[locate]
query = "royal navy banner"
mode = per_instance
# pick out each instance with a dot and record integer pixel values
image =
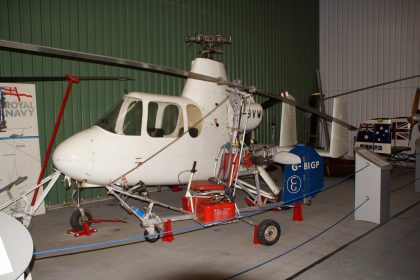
(19, 141)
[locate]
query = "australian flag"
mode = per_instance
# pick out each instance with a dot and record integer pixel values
(374, 133)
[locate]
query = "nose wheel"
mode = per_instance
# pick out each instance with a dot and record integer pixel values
(77, 219)
(268, 232)
(153, 235)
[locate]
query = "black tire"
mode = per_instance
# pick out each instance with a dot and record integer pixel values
(268, 232)
(154, 238)
(76, 219)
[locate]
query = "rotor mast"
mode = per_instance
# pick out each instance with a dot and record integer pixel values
(210, 44)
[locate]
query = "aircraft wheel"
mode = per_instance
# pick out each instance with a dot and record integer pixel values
(154, 238)
(268, 232)
(76, 219)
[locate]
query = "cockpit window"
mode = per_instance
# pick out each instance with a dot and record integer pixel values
(195, 123)
(164, 120)
(125, 118)
(170, 119)
(109, 120)
(132, 120)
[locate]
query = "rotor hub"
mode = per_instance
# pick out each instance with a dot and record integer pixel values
(210, 44)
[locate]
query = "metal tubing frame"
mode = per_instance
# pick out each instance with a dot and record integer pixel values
(150, 219)
(39, 200)
(53, 178)
(117, 189)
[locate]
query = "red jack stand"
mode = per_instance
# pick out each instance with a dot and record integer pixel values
(256, 241)
(168, 236)
(297, 212)
(86, 230)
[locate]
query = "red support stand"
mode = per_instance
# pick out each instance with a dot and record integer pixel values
(86, 230)
(71, 80)
(297, 212)
(256, 241)
(168, 236)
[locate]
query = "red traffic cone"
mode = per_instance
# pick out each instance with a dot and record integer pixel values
(256, 241)
(297, 212)
(168, 236)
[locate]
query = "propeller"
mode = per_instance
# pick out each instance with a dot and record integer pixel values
(101, 59)
(286, 158)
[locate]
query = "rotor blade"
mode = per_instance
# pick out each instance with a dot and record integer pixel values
(101, 59)
(269, 103)
(24, 79)
(75, 55)
(303, 107)
(373, 86)
(55, 52)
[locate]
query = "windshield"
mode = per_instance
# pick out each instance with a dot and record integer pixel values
(109, 120)
(125, 118)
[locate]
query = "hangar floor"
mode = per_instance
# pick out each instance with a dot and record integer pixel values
(349, 250)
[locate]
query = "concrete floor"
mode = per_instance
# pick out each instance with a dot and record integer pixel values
(350, 250)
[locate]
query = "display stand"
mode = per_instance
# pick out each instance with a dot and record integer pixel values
(372, 182)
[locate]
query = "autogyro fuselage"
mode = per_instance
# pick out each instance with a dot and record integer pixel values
(166, 134)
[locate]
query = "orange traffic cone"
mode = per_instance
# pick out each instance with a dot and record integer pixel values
(256, 241)
(168, 236)
(297, 212)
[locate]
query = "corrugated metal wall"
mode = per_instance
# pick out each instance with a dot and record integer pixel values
(275, 47)
(369, 42)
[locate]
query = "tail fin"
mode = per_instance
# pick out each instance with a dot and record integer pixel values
(339, 134)
(288, 135)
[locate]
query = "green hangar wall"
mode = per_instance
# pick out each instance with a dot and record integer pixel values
(274, 47)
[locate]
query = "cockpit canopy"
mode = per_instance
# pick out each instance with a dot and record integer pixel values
(156, 118)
